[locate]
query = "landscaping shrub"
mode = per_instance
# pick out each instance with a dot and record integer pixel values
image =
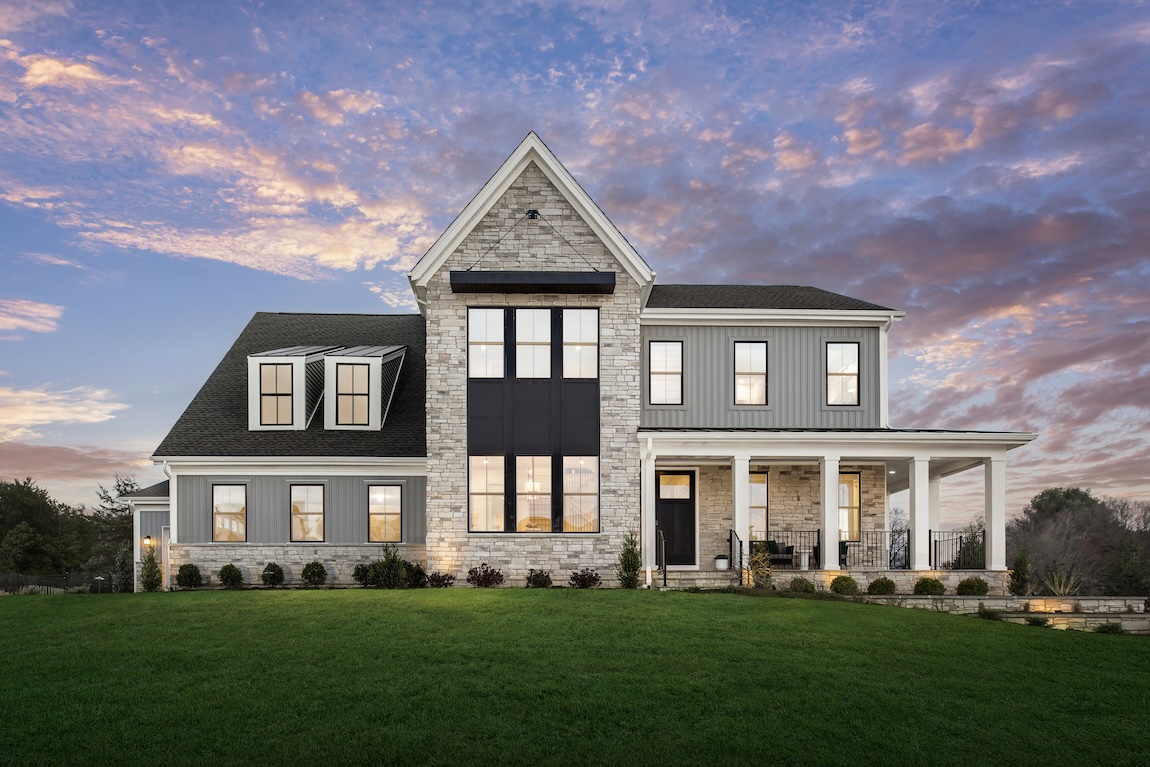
(584, 579)
(231, 577)
(123, 571)
(188, 576)
(1036, 621)
(77, 590)
(988, 614)
(390, 572)
(538, 579)
(757, 573)
(845, 585)
(484, 577)
(440, 580)
(314, 573)
(801, 586)
(881, 586)
(1109, 628)
(151, 579)
(931, 587)
(630, 563)
(972, 587)
(273, 575)
(1021, 574)
(359, 573)
(416, 575)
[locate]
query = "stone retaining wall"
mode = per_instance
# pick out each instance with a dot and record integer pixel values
(904, 580)
(251, 558)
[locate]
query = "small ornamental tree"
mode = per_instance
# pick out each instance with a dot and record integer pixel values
(151, 579)
(630, 563)
(123, 573)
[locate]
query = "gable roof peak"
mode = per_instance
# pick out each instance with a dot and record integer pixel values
(531, 149)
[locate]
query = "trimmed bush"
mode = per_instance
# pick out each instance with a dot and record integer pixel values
(230, 576)
(484, 577)
(584, 579)
(1109, 628)
(273, 575)
(390, 572)
(988, 614)
(314, 574)
(630, 563)
(845, 585)
(188, 576)
(801, 586)
(972, 587)
(930, 587)
(881, 586)
(440, 580)
(359, 573)
(538, 579)
(151, 579)
(416, 575)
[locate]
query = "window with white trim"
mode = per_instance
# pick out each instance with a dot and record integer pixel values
(229, 513)
(758, 506)
(666, 372)
(842, 373)
(306, 513)
(750, 373)
(850, 507)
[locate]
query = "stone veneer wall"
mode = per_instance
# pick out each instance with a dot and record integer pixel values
(716, 513)
(251, 558)
(531, 246)
(793, 496)
(904, 580)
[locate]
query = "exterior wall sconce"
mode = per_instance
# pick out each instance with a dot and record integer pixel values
(147, 540)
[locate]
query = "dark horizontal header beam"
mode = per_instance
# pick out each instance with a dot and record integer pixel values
(533, 282)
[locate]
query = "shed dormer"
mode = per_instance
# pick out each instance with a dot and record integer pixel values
(285, 387)
(359, 384)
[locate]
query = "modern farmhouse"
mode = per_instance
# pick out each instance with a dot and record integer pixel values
(550, 398)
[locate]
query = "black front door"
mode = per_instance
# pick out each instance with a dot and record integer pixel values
(675, 515)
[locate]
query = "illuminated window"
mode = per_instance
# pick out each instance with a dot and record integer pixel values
(306, 513)
(850, 507)
(275, 395)
(674, 486)
(666, 360)
(532, 343)
(485, 343)
(842, 373)
(750, 373)
(351, 394)
(384, 513)
(580, 343)
(229, 513)
(580, 494)
(533, 493)
(758, 506)
(485, 493)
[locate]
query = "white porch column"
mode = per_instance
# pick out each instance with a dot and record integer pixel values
(935, 502)
(741, 493)
(829, 501)
(647, 511)
(995, 481)
(920, 513)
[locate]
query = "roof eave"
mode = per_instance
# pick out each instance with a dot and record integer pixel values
(706, 316)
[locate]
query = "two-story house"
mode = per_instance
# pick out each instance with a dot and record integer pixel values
(549, 399)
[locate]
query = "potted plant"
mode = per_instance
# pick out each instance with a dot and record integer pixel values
(722, 562)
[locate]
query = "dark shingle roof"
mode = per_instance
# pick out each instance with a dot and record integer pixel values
(158, 490)
(753, 297)
(216, 422)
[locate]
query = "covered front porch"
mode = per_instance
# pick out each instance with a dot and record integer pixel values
(818, 502)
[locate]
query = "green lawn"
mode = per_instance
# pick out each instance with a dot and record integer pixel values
(461, 676)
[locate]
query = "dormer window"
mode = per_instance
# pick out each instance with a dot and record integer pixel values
(285, 387)
(359, 382)
(352, 394)
(275, 395)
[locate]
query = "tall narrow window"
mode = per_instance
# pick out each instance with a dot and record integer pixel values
(843, 373)
(485, 493)
(758, 506)
(306, 513)
(580, 494)
(850, 507)
(351, 394)
(533, 493)
(532, 343)
(666, 360)
(229, 513)
(580, 343)
(751, 373)
(384, 513)
(275, 395)
(485, 343)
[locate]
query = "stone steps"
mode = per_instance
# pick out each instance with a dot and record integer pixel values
(678, 580)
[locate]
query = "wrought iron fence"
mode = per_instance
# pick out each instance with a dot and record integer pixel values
(54, 584)
(736, 553)
(877, 550)
(957, 550)
(788, 548)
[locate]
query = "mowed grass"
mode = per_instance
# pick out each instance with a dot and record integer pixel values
(462, 676)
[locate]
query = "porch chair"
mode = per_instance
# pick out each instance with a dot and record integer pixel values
(780, 555)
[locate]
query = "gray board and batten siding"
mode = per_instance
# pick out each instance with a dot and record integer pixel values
(269, 507)
(796, 379)
(152, 523)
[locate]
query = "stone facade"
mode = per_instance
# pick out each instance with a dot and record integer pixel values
(251, 558)
(531, 245)
(793, 493)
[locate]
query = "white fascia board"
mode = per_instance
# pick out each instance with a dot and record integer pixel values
(853, 445)
(350, 465)
(531, 149)
(769, 317)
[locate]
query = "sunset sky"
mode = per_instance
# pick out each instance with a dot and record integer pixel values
(167, 169)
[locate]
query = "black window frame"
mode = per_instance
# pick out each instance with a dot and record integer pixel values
(277, 395)
(340, 395)
(323, 488)
(229, 484)
(398, 486)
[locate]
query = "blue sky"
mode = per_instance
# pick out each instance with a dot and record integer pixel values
(167, 169)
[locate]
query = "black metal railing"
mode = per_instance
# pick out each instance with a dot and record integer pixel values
(877, 550)
(788, 547)
(55, 584)
(957, 550)
(661, 556)
(736, 546)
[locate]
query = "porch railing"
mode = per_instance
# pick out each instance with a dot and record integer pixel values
(789, 548)
(736, 553)
(957, 550)
(878, 550)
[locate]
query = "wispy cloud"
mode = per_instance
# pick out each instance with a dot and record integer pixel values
(18, 314)
(22, 410)
(58, 462)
